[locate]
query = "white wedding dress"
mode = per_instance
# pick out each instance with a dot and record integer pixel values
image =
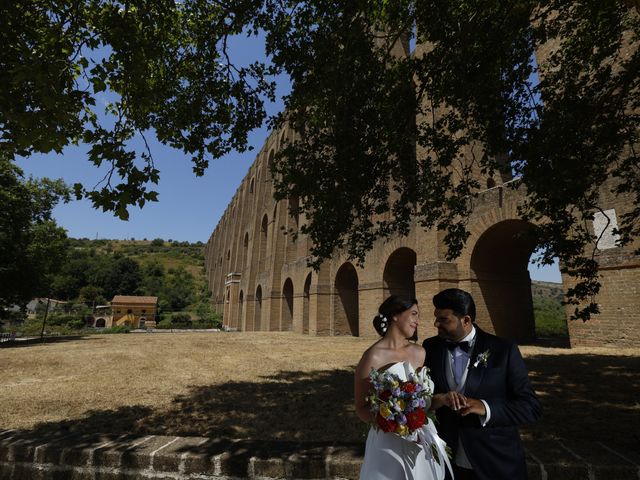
(389, 457)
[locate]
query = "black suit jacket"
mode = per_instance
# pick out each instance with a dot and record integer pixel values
(494, 451)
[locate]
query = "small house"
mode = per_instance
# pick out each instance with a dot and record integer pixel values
(134, 311)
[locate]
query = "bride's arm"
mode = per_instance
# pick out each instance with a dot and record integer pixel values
(361, 387)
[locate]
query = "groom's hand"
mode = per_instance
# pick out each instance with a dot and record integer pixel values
(473, 406)
(454, 400)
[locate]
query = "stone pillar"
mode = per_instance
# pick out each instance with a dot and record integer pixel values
(431, 278)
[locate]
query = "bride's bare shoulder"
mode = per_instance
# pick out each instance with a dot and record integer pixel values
(374, 357)
(417, 354)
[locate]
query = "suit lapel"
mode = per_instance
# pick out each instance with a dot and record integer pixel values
(475, 374)
(440, 366)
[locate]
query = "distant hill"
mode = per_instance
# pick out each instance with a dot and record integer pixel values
(548, 309)
(171, 254)
(550, 290)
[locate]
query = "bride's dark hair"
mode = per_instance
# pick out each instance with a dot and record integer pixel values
(393, 305)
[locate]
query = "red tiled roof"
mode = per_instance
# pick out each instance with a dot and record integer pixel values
(134, 299)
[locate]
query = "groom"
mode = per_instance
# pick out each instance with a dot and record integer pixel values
(482, 392)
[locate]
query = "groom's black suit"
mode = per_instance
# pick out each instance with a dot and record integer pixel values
(494, 451)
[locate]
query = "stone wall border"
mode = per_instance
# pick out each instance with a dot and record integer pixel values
(27, 456)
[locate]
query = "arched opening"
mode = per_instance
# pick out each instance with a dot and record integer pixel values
(345, 305)
(251, 185)
(240, 308)
(287, 306)
(502, 286)
(398, 276)
(245, 248)
(257, 317)
(305, 304)
(263, 237)
(100, 323)
(294, 211)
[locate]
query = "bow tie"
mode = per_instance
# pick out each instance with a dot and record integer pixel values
(464, 346)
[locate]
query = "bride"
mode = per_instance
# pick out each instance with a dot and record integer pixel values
(387, 455)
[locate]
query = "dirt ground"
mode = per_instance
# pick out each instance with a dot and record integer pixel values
(274, 386)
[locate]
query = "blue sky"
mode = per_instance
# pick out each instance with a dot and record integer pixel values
(188, 207)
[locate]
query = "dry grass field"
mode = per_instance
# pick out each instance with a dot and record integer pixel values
(273, 386)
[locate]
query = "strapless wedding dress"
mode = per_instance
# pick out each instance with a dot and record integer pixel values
(389, 457)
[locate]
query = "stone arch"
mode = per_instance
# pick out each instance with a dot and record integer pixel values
(345, 305)
(286, 323)
(264, 229)
(252, 185)
(305, 304)
(100, 323)
(501, 285)
(398, 275)
(257, 316)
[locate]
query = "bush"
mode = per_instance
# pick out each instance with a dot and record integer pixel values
(165, 324)
(116, 329)
(181, 320)
(32, 328)
(62, 323)
(215, 323)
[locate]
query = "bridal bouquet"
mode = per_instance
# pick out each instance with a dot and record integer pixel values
(399, 406)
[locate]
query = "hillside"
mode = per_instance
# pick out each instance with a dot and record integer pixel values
(170, 254)
(550, 290)
(548, 309)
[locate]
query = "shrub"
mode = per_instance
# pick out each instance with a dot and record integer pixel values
(165, 323)
(116, 329)
(181, 320)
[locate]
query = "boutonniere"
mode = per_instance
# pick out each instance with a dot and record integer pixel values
(481, 359)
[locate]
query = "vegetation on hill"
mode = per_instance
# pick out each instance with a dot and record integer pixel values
(94, 271)
(548, 310)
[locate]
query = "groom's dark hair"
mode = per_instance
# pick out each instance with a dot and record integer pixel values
(459, 301)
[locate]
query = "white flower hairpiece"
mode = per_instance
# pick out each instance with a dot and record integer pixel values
(383, 323)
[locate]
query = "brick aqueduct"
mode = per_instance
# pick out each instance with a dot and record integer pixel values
(260, 281)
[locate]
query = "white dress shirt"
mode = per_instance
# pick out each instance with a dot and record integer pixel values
(462, 358)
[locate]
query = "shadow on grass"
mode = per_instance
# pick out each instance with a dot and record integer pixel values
(588, 398)
(285, 409)
(585, 398)
(29, 342)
